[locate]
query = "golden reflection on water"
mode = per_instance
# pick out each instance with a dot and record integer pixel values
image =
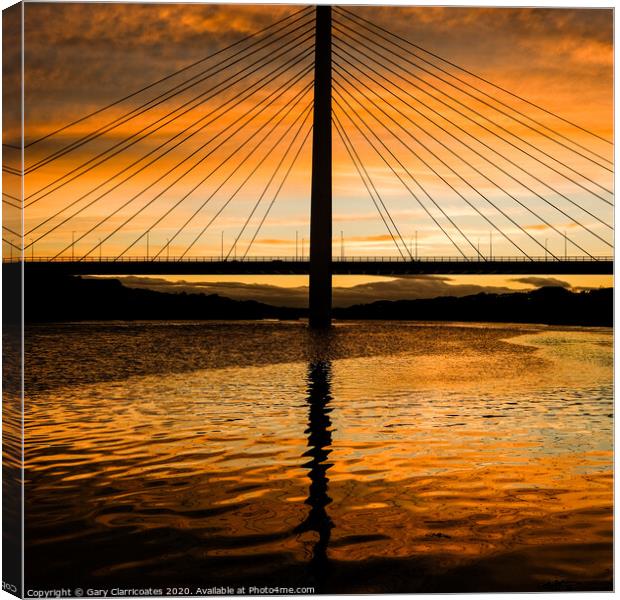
(406, 457)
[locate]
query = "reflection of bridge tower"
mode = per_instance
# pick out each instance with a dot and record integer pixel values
(321, 195)
(319, 449)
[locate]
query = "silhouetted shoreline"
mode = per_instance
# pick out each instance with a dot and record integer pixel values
(77, 299)
(548, 305)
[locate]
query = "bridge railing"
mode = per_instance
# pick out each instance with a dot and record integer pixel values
(305, 259)
(475, 259)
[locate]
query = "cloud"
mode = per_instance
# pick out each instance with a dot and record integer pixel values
(274, 241)
(539, 282)
(544, 227)
(587, 288)
(100, 51)
(81, 56)
(411, 288)
(270, 294)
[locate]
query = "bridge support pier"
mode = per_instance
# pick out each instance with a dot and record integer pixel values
(321, 195)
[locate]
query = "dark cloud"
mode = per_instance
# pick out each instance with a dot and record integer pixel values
(410, 288)
(231, 289)
(82, 54)
(397, 289)
(542, 282)
(11, 81)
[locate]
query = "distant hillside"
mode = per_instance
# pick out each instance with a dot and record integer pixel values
(77, 299)
(552, 305)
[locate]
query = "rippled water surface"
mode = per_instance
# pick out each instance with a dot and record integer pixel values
(377, 457)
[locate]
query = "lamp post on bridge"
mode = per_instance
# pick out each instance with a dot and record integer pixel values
(321, 194)
(565, 246)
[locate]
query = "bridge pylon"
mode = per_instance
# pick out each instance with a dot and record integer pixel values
(320, 299)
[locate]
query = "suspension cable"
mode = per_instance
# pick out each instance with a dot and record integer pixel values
(206, 96)
(273, 176)
(273, 95)
(12, 244)
(239, 165)
(9, 203)
(538, 149)
(186, 68)
(275, 196)
(350, 14)
(12, 231)
(429, 166)
(264, 83)
(430, 108)
(351, 109)
(346, 141)
(179, 89)
(459, 156)
(482, 174)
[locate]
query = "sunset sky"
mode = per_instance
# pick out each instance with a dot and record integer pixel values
(82, 56)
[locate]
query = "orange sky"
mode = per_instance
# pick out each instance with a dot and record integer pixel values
(81, 56)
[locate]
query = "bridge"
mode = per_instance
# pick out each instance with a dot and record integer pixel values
(286, 265)
(471, 157)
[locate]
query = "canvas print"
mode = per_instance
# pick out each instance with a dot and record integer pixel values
(306, 299)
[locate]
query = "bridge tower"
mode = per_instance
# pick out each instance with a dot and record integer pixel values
(321, 194)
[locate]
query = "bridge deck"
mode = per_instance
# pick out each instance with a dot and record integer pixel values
(602, 265)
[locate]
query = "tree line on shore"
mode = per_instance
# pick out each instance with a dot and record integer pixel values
(80, 299)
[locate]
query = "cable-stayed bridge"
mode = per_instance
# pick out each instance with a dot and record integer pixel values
(153, 173)
(356, 265)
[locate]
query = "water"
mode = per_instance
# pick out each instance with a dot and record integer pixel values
(378, 457)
